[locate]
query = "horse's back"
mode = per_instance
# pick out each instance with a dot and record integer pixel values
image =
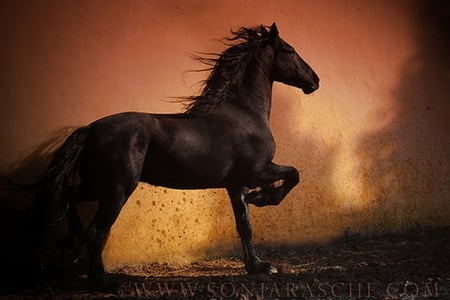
(172, 150)
(176, 150)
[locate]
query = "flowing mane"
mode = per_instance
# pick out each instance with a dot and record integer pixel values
(225, 68)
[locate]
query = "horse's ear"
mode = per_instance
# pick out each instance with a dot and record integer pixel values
(274, 30)
(273, 35)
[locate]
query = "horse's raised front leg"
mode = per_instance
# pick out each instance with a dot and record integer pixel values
(270, 190)
(253, 264)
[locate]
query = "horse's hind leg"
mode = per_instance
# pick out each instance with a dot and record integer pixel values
(74, 242)
(253, 264)
(97, 233)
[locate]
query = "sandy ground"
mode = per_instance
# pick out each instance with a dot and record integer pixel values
(413, 265)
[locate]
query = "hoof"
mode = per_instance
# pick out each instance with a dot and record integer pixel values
(261, 267)
(104, 285)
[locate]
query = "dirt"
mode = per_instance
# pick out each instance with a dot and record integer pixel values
(414, 265)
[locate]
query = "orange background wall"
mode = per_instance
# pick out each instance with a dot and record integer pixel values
(372, 143)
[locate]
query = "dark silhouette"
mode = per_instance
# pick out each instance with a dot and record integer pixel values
(223, 140)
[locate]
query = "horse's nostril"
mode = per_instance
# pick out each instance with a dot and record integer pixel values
(309, 89)
(316, 80)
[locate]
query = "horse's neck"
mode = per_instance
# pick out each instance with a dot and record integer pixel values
(260, 98)
(255, 90)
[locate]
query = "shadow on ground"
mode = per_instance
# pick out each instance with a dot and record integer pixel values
(411, 265)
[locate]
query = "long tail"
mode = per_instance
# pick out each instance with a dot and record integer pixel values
(62, 171)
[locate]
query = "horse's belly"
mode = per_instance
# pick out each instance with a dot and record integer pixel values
(182, 181)
(195, 173)
(201, 154)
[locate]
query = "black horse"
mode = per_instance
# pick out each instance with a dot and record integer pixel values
(223, 140)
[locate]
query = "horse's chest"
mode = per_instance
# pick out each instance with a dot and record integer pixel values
(255, 148)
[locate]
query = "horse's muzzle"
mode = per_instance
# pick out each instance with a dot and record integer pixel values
(310, 88)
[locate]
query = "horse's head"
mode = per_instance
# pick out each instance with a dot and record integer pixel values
(288, 67)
